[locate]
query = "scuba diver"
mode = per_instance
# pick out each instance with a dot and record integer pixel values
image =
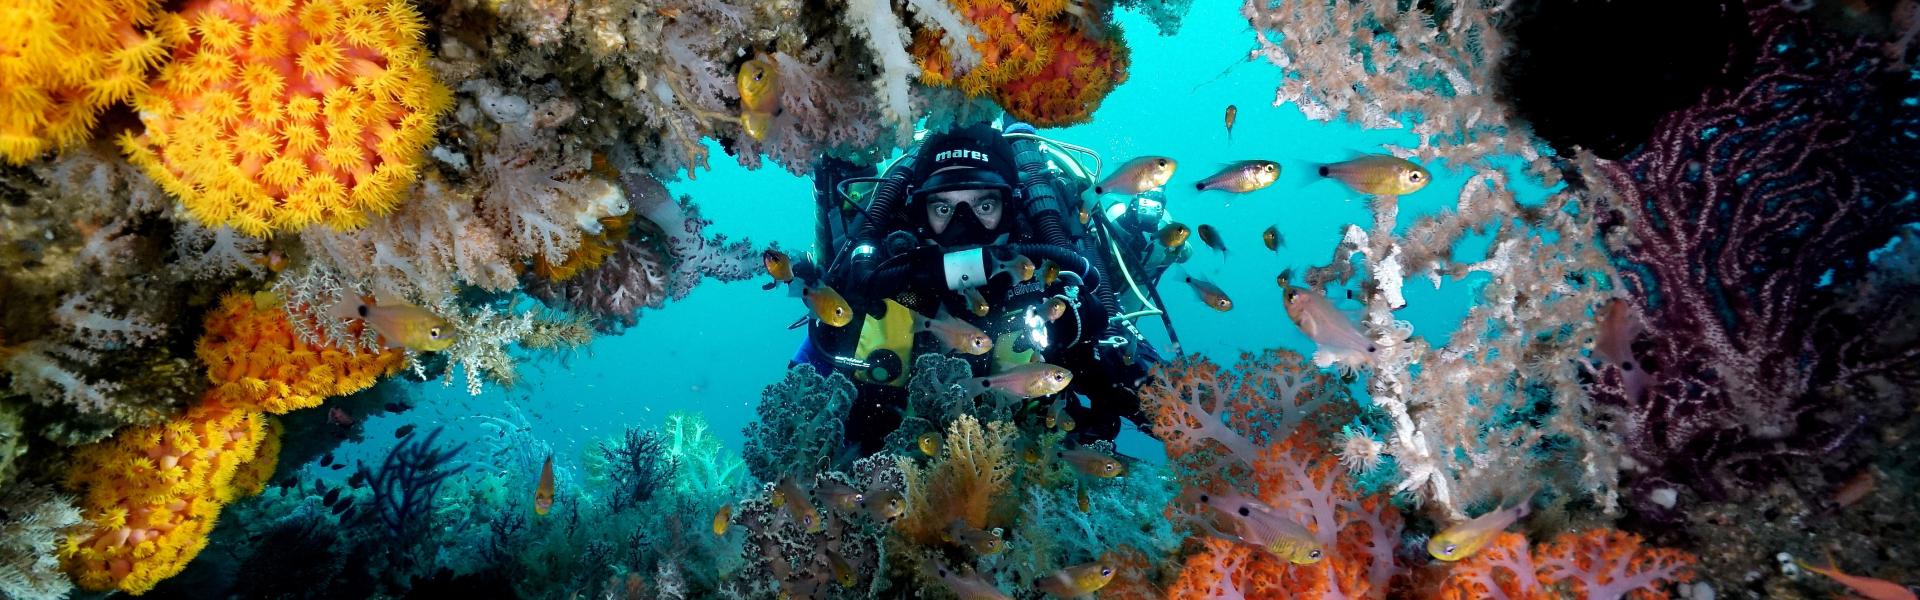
(980, 237)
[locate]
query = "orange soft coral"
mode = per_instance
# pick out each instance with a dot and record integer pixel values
(278, 114)
(964, 483)
(1213, 417)
(256, 361)
(62, 62)
(1600, 564)
(1034, 61)
(152, 494)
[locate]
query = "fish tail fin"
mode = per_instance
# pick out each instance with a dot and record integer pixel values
(1325, 170)
(770, 285)
(974, 386)
(1200, 186)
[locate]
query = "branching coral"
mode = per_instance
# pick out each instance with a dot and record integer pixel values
(638, 465)
(33, 521)
(1033, 58)
(64, 63)
(1211, 418)
(1600, 564)
(1737, 225)
(406, 485)
(277, 115)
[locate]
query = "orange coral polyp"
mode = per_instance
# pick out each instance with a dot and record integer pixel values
(263, 120)
(256, 361)
(1036, 65)
(63, 62)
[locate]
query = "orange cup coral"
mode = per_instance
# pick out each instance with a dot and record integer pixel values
(152, 493)
(257, 362)
(1036, 60)
(278, 114)
(63, 61)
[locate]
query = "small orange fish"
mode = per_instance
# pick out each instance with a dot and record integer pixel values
(1049, 272)
(1078, 581)
(957, 335)
(722, 519)
(839, 496)
(1232, 113)
(1084, 503)
(1137, 175)
(1613, 343)
(966, 586)
(759, 87)
(405, 325)
(929, 443)
(1092, 463)
(976, 303)
(1173, 235)
(1335, 338)
(1020, 267)
(980, 541)
(1272, 238)
(827, 305)
(1211, 237)
(1030, 380)
(1241, 177)
(1379, 175)
(1867, 587)
(1210, 294)
(1855, 489)
(842, 571)
(1466, 538)
(779, 265)
(789, 494)
(885, 505)
(543, 496)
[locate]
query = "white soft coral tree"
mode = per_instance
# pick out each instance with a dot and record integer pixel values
(1499, 405)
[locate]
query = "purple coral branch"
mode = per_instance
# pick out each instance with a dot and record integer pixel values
(1739, 213)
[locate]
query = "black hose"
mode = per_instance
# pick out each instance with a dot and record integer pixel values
(886, 199)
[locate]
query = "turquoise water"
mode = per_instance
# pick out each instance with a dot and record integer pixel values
(713, 352)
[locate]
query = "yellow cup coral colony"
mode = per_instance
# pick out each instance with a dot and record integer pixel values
(62, 61)
(256, 360)
(1037, 60)
(278, 114)
(152, 493)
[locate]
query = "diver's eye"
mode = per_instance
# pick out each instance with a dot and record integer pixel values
(988, 207)
(944, 210)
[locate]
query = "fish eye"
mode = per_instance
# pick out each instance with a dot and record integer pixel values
(1413, 176)
(434, 333)
(1449, 549)
(1109, 466)
(1106, 572)
(1162, 162)
(1314, 554)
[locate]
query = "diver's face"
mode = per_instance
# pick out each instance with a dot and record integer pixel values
(985, 205)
